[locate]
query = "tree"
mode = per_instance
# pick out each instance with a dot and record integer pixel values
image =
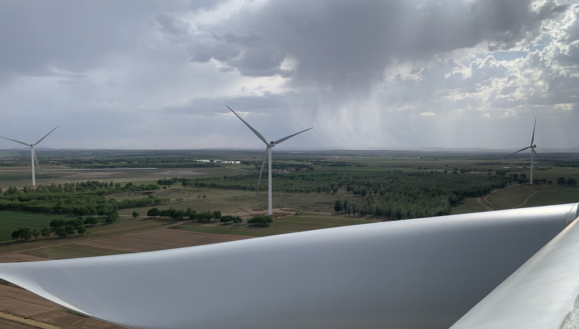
(45, 232)
(60, 232)
(56, 223)
(338, 206)
(217, 214)
(153, 212)
(135, 214)
(90, 221)
(561, 180)
(226, 219)
(35, 233)
(16, 235)
(69, 230)
(571, 181)
(111, 216)
(237, 220)
(81, 230)
(260, 221)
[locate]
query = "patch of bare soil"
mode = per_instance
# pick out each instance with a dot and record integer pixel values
(181, 173)
(18, 258)
(14, 324)
(23, 307)
(159, 240)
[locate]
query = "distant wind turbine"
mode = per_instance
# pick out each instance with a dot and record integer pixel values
(532, 147)
(32, 153)
(268, 155)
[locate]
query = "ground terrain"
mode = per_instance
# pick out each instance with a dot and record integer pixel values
(294, 212)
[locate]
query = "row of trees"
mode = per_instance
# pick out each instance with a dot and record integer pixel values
(81, 199)
(207, 216)
(64, 228)
(260, 221)
(567, 181)
(204, 216)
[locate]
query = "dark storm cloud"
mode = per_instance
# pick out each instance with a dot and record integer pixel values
(347, 42)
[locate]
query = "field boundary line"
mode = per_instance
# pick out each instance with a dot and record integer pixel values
(95, 239)
(527, 199)
(30, 322)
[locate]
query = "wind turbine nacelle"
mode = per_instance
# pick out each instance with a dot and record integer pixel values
(271, 144)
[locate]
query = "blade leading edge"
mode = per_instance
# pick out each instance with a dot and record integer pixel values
(40, 140)
(36, 159)
(250, 127)
(261, 171)
(290, 136)
(535, 153)
(520, 150)
(533, 138)
(15, 141)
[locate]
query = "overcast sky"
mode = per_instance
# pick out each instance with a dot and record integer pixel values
(364, 74)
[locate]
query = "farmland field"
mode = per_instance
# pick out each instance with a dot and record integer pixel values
(12, 220)
(376, 186)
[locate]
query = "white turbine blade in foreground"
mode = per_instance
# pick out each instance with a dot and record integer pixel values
(36, 160)
(519, 150)
(290, 136)
(16, 141)
(40, 140)
(420, 273)
(543, 293)
(535, 153)
(250, 127)
(261, 171)
(534, 126)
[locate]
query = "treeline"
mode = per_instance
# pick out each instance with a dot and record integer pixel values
(567, 181)
(207, 216)
(63, 228)
(87, 198)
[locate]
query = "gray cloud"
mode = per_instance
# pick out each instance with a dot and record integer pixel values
(364, 74)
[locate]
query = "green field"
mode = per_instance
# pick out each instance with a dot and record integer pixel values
(13, 220)
(542, 195)
(296, 223)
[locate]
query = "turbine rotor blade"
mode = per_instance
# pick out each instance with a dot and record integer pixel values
(261, 171)
(533, 138)
(528, 147)
(250, 127)
(290, 136)
(40, 140)
(535, 153)
(16, 141)
(36, 160)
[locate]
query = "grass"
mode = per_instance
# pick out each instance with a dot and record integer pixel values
(469, 205)
(13, 220)
(71, 251)
(511, 197)
(547, 194)
(296, 223)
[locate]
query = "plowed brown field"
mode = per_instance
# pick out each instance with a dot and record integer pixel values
(159, 240)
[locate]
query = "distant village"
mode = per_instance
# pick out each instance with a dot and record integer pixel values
(276, 171)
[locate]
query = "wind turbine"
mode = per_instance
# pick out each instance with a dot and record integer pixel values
(532, 147)
(32, 153)
(268, 155)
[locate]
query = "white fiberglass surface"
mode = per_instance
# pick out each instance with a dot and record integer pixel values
(421, 273)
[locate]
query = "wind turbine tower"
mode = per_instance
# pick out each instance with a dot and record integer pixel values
(532, 147)
(32, 153)
(268, 156)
